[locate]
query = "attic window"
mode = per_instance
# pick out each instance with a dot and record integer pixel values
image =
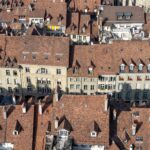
(131, 67)
(33, 56)
(140, 67)
(45, 56)
(148, 67)
(15, 132)
(90, 70)
(122, 67)
(139, 139)
(93, 134)
(119, 15)
(127, 15)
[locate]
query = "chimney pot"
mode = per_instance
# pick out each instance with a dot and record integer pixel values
(56, 123)
(134, 129)
(106, 104)
(40, 108)
(4, 112)
(24, 108)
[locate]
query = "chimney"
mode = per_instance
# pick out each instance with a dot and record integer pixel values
(4, 112)
(56, 123)
(134, 129)
(14, 99)
(114, 114)
(106, 104)
(40, 108)
(55, 96)
(24, 110)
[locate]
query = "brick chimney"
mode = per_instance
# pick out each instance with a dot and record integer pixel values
(114, 114)
(56, 123)
(134, 127)
(106, 104)
(14, 99)
(24, 109)
(4, 112)
(40, 108)
(55, 95)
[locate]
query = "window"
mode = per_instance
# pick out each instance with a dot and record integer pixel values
(27, 69)
(10, 90)
(74, 36)
(42, 71)
(15, 73)
(85, 87)
(8, 81)
(93, 134)
(1, 90)
(33, 56)
(140, 67)
(90, 70)
(48, 81)
(101, 86)
(120, 86)
(29, 88)
(122, 67)
(59, 82)
(92, 87)
(78, 79)
(131, 67)
(58, 71)
(15, 81)
(28, 80)
(145, 95)
(78, 86)
(46, 57)
(7, 72)
(71, 86)
(101, 78)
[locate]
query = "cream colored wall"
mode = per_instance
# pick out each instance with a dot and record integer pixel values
(3, 79)
(107, 82)
(52, 76)
(82, 81)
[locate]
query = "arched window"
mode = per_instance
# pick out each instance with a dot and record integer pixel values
(131, 67)
(42, 71)
(122, 67)
(140, 67)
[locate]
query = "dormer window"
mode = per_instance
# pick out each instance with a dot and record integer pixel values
(119, 15)
(15, 132)
(93, 134)
(148, 67)
(131, 67)
(140, 67)
(90, 70)
(75, 70)
(122, 67)
(63, 133)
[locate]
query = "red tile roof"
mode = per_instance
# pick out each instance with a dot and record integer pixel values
(82, 4)
(108, 58)
(125, 120)
(80, 112)
(24, 48)
(24, 140)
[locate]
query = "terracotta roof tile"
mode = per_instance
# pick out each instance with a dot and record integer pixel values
(32, 50)
(14, 116)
